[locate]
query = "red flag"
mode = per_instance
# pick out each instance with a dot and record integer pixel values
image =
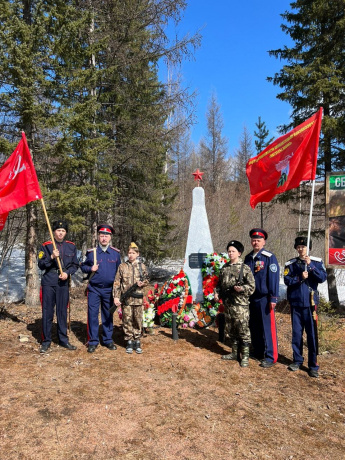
(286, 162)
(18, 181)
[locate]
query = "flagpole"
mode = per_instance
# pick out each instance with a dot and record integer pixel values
(310, 215)
(51, 233)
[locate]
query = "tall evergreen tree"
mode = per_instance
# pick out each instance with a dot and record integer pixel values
(28, 38)
(262, 133)
(314, 76)
(261, 142)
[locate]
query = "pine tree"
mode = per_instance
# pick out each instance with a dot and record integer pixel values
(314, 76)
(28, 70)
(261, 142)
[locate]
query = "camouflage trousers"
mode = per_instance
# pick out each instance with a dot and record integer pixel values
(237, 322)
(132, 321)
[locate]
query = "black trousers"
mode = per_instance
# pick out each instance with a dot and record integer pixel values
(54, 296)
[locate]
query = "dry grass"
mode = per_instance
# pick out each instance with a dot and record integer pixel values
(178, 400)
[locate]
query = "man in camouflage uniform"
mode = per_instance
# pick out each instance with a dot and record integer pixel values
(236, 284)
(129, 273)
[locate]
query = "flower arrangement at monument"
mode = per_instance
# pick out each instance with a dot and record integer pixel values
(175, 297)
(149, 311)
(210, 272)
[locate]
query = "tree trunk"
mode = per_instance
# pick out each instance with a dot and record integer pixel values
(332, 291)
(31, 272)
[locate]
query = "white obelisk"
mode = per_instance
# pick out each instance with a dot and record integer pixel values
(199, 242)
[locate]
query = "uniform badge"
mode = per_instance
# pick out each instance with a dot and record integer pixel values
(259, 265)
(286, 271)
(273, 268)
(40, 254)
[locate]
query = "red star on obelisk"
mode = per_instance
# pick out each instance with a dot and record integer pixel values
(198, 176)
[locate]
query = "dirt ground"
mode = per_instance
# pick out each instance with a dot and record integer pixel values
(178, 400)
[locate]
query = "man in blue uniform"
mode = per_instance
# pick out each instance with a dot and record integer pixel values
(101, 265)
(302, 276)
(55, 289)
(262, 323)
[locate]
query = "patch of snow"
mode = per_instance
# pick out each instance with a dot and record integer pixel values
(12, 277)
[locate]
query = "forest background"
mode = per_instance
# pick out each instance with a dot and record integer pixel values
(111, 141)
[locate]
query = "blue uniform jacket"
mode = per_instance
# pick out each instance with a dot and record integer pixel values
(298, 290)
(108, 261)
(265, 269)
(69, 262)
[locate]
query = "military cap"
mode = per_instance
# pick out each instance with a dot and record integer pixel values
(302, 241)
(134, 247)
(236, 244)
(105, 229)
(60, 224)
(258, 233)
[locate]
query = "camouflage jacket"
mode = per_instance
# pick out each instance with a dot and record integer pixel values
(127, 274)
(228, 278)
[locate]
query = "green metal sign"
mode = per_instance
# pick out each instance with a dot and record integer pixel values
(337, 182)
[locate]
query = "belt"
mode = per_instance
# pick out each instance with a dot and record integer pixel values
(100, 285)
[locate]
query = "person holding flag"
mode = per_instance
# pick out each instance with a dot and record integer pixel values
(55, 288)
(18, 186)
(262, 323)
(302, 275)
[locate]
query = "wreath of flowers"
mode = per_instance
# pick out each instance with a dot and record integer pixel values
(210, 271)
(175, 297)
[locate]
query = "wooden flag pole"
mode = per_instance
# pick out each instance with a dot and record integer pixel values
(51, 233)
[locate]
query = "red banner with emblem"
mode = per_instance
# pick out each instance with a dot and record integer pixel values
(285, 163)
(18, 181)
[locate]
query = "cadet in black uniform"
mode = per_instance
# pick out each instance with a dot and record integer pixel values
(55, 289)
(302, 275)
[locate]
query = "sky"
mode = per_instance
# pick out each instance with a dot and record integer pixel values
(233, 62)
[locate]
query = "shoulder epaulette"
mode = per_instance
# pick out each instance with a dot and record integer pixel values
(317, 259)
(47, 242)
(70, 242)
(291, 261)
(266, 253)
(112, 247)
